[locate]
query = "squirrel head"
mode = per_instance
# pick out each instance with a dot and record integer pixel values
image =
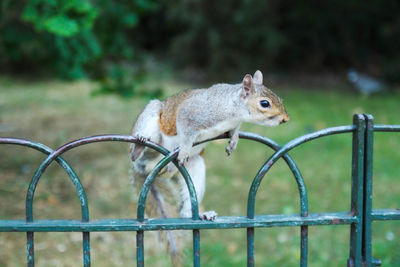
(265, 107)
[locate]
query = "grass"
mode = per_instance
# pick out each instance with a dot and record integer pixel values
(55, 112)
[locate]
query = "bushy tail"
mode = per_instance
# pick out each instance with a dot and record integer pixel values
(162, 202)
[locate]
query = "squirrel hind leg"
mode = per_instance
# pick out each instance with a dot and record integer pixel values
(146, 128)
(197, 171)
(186, 142)
(146, 124)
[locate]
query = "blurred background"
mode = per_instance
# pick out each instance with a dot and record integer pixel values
(70, 69)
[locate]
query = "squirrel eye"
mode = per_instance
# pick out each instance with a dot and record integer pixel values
(265, 103)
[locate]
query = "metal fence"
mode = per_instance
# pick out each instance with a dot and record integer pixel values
(359, 216)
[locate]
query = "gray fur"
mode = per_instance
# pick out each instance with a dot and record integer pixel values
(200, 114)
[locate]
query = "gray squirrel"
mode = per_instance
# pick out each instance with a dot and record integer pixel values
(192, 116)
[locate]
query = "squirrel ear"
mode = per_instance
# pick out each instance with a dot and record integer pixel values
(248, 87)
(258, 77)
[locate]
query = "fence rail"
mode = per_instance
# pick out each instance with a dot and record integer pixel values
(359, 216)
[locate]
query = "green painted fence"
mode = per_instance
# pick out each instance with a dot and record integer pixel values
(359, 216)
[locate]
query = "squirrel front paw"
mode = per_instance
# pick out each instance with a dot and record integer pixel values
(230, 147)
(142, 138)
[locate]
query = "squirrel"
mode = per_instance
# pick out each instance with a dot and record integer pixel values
(192, 116)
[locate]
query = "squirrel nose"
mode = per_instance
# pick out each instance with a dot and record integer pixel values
(285, 119)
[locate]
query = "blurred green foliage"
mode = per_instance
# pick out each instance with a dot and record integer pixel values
(60, 18)
(235, 36)
(77, 38)
(72, 39)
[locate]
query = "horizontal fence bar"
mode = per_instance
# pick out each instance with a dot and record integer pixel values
(385, 214)
(386, 128)
(225, 222)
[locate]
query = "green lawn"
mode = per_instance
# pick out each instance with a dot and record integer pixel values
(55, 112)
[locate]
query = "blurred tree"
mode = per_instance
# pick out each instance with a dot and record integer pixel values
(226, 36)
(237, 35)
(74, 38)
(48, 35)
(71, 37)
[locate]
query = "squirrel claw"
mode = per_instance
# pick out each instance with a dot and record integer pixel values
(228, 150)
(183, 158)
(182, 161)
(230, 147)
(208, 215)
(142, 138)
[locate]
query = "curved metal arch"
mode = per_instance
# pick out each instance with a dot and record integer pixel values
(39, 172)
(302, 193)
(285, 149)
(292, 166)
(95, 139)
(78, 186)
(288, 159)
(71, 173)
(152, 175)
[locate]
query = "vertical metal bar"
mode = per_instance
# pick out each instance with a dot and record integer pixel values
(86, 249)
(142, 205)
(369, 143)
(303, 245)
(357, 190)
(196, 247)
(30, 249)
(250, 247)
(139, 249)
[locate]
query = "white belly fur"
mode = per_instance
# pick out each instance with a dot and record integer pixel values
(216, 130)
(172, 142)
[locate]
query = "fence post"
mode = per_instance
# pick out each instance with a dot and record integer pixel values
(369, 142)
(357, 191)
(368, 260)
